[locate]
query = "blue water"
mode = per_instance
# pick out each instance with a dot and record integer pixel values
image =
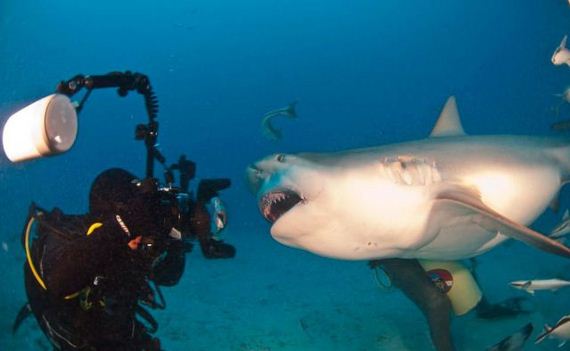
(363, 72)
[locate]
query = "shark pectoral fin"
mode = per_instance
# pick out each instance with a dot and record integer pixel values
(493, 221)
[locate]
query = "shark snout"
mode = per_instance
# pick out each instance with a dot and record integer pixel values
(254, 178)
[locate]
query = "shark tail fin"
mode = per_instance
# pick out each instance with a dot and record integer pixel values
(544, 334)
(291, 109)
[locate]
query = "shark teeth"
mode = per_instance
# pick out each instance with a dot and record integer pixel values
(276, 203)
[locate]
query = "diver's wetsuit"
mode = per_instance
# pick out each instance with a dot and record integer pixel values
(94, 284)
(410, 277)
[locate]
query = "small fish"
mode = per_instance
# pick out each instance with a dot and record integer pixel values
(5, 246)
(565, 95)
(560, 331)
(220, 214)
(562, 229)
(562, 126)
(268, 129)
(561, 55)
(530, 286)
(514, 342)
(564, 99)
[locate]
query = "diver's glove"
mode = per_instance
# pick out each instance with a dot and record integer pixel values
(213, 248)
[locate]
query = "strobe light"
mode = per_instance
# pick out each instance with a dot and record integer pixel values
(46, 127)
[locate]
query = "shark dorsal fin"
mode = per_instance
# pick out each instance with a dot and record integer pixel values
(563, 42)
(448, 123)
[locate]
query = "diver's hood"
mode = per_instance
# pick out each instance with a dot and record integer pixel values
(111, 189)
(118, 192)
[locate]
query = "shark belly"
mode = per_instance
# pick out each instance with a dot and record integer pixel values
(364, 218)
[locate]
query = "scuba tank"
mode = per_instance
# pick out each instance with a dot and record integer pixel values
(453, 278)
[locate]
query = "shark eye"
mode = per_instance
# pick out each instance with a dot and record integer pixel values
(280, 158)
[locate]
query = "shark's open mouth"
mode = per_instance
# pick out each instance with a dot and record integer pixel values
(275, 203)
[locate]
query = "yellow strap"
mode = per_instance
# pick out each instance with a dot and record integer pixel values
(94, 227)
(75, 294)
(86, 290)
(29, 255)
(83, 295)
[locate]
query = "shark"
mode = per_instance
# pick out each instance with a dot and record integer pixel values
(514, 342)
(446, 197)
(565, 95)
(531, 286)
(268, 129)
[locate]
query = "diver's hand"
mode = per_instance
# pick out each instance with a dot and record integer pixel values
(134, 244)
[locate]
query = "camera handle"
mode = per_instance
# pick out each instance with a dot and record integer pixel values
(124, 82)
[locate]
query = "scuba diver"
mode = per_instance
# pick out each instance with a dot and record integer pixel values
(428, 284)
(410, 277)
(87, 277)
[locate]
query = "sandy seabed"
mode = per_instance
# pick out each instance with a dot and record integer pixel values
(275, 298)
